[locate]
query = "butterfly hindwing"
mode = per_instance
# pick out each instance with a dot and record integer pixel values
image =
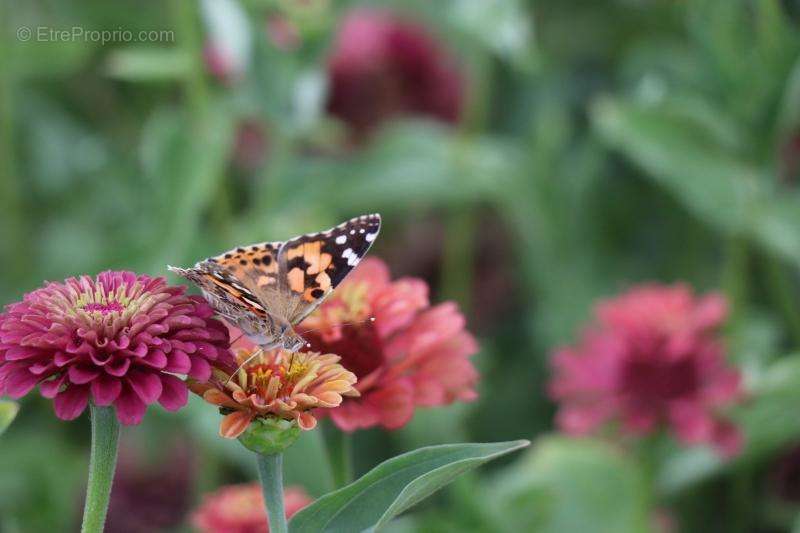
(255, 267)
(311, 266)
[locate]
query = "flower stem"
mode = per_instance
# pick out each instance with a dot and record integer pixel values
(270, 470)
(102, 463)
(338, 446)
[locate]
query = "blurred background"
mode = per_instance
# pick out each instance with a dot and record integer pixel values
(528, 157)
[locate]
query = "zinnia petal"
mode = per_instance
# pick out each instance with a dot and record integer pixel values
(234, 424)
(19, 382)
(71, 402)
(105, 389)
(173, 393)
(130, 408)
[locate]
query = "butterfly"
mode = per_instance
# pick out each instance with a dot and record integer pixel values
(266, 289)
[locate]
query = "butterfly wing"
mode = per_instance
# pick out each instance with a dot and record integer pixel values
(241, 284)
(254, 266)
(311, 266)
(262, 286)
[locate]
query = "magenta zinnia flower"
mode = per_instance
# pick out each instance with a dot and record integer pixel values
(118, 338)
(383, 65)
(405, 353)
(652, 357)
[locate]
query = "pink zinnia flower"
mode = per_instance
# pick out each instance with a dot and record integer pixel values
(240, 509)
(410, 355)
(118, 338)
(382, 65)
(652, 357)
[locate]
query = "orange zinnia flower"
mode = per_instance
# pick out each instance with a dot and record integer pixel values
(275, 383)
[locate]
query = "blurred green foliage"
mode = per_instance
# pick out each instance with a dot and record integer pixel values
(602, 144)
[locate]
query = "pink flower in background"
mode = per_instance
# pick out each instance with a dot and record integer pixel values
(411, 355)
(117, 338)
(240, 509)
(282, 32)
(220, 64)
(652, 357)
(383, 65)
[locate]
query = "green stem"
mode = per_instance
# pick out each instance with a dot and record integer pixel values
(102, 463)
(187, 23)
(459, 253)
(734, 276)
(270, 470)
(338, 446)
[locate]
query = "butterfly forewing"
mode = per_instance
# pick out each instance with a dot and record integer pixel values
(316, 263)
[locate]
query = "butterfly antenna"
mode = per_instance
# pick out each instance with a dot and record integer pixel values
(252, 356)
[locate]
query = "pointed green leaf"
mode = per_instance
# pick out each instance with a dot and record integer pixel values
(394, 486)
(8, 410)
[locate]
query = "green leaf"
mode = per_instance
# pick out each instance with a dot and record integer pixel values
(8, 411)
(717, 186)
(564, 484)
(394, 486)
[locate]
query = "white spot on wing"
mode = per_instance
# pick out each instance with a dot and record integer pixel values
(370, 236)
(352, 257)
(341, 239)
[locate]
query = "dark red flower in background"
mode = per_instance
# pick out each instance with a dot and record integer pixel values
(150, 495)
(240, 509)
(784, 475)
(652, 357)
(383, 65)
(118, 338)
(250, 145)
(410, 355)
(788, 159)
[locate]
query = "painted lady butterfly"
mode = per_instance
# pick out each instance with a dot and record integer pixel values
(265, 289)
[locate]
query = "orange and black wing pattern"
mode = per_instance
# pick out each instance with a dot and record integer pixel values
(312, 265)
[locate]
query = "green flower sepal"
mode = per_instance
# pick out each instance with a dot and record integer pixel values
(270, 435)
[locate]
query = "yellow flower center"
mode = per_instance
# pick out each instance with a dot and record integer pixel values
(260, 375)
(296, 371)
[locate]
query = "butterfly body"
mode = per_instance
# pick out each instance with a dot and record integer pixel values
(266, 289)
